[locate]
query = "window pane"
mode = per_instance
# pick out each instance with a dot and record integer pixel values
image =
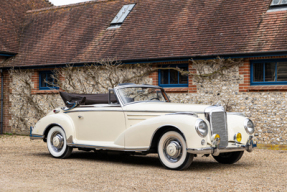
(173, 77)
(43, 78)
(275, 2)
(164, 77)
(258, 72)
(50, 79)
(284, 2)
(183, 78)
(270, 71)
(282, 71)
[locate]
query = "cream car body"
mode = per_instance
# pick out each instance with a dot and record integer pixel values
(138, 126)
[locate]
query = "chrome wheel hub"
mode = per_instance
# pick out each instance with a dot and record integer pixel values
(172, 149)
(57, 141)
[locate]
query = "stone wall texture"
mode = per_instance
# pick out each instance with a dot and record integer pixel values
(266, 109)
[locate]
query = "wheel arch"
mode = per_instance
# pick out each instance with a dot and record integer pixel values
(159, 132)
(48, 128)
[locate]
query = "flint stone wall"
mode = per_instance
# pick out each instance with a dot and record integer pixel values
(266, 109)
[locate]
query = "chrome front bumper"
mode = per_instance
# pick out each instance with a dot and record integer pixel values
(35, 136)
(215, 151)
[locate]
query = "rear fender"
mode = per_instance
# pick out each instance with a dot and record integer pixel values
(43, 126)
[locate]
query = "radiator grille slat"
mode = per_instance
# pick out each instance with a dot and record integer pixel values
(218, 122)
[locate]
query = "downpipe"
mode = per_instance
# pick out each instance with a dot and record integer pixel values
(2, 97)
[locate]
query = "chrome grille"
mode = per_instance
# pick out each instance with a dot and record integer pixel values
(218, 124)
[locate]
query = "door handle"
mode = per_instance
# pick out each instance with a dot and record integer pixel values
(81, 117)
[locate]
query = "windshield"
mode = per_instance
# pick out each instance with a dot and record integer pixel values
(142, 94)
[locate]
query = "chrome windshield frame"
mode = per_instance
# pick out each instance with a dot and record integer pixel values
(116, 89)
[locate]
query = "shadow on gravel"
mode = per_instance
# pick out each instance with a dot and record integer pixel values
(149, 161)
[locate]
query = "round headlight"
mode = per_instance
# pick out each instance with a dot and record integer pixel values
(201, 127)
(249, 126)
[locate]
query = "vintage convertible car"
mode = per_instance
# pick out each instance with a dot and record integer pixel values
(140, 119)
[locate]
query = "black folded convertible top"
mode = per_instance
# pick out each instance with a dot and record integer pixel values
(87, 99)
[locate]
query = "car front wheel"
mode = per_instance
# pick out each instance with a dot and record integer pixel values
(229, 158)
(172, 151)
(57, 145)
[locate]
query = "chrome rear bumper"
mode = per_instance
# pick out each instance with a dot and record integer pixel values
(35, 136)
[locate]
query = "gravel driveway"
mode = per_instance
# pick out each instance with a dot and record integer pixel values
(27, 166)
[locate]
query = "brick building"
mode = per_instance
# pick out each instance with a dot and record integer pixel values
(161, 32)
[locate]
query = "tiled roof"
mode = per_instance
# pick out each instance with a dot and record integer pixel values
(12, 13)
(154, 29)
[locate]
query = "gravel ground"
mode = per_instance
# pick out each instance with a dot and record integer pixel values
(27, 166)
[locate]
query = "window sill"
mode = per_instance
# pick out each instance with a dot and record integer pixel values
(267, 88)
(34, 92)
(176, 90)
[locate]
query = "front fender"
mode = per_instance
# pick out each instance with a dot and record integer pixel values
(140, 135)
(235, 124)
(61, 120)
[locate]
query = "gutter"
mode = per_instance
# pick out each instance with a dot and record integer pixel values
(2, 97)
(7, 54)
(167, 59)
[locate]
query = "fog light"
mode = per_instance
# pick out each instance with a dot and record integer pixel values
(238, 137)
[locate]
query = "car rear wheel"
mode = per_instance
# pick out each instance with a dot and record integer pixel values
(229, 158)
(57, 145)
(172, 151)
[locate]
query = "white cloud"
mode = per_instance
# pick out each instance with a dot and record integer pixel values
(66, 2)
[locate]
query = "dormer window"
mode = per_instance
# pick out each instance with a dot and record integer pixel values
(121, 16)
(278, 2)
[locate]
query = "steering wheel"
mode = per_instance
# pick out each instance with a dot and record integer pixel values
(154, 98)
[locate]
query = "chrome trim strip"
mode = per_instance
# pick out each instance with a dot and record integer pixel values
(99, 105)
(141, 115)
(135, 111)
(136, 118)
(106, 148)
(184, 113)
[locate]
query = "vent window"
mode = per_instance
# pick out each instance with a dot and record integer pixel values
(121, 16)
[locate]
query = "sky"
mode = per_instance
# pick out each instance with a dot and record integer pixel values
(66, 2)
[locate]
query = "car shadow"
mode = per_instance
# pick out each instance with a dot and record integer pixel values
(199, 164)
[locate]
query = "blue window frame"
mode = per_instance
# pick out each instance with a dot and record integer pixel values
(44, 77)
(173, 78)
(268, 72)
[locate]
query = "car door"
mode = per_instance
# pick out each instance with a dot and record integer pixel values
(99, 124)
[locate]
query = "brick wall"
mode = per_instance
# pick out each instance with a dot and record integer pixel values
(6, 102)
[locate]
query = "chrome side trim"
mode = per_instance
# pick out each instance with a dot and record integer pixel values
(136, 118)
(103, 110)
(106, 148)
(184, 113)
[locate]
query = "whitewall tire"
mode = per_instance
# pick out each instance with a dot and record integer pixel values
(172, 151)
(57, 143)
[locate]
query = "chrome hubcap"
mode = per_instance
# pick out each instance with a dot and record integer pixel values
(57, 141)
(172, 150)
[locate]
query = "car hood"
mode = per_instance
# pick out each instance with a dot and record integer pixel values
(165, 107)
